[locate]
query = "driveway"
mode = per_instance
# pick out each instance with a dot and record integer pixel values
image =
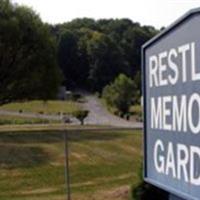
(100, 116)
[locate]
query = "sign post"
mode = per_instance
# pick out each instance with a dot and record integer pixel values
(171, 90)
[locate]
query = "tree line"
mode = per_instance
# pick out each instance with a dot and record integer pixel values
(92, 53)
(36, 57)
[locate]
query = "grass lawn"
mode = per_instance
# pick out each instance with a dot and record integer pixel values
(49, 107)
(18, 120)
(102, 164)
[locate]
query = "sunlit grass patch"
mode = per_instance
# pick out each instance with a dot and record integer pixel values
(48, 107)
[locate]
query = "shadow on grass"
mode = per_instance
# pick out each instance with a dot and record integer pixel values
(13, 156)
(55, 137)
(14, 153)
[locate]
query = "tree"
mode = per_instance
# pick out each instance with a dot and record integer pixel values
(133, 39)
(105, 61)
(137, 84)
(73, 57)
(81, 115)
(119, 94)
(68, 58)
(79, 23)
(28, 68)
(102, 50)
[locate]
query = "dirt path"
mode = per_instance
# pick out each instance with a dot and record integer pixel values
(100, 116)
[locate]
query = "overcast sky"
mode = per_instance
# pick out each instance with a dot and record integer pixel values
(158, 13)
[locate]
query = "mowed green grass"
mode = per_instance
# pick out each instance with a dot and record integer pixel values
(18, 120)
(101, 161)
(49, 107)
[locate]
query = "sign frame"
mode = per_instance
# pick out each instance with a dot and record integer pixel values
(148, 44)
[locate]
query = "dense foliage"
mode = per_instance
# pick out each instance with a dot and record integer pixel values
(28, 68)
(93, 53)
(119, 94)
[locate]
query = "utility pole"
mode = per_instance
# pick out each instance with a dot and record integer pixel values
(67, 171)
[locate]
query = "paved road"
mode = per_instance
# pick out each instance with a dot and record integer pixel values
(100, 116)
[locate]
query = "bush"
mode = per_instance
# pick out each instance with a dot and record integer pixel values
(119, 94)
(81, 115)
(146, 191)
(136, 110)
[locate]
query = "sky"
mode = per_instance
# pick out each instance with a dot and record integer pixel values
(158, 13)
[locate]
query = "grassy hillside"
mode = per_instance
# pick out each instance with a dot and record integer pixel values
(103, 164)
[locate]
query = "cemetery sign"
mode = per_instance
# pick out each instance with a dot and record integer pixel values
(171, 90)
